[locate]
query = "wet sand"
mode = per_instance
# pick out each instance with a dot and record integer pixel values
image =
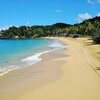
(17, 82)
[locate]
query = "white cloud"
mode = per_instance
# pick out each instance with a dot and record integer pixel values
(98, 14)
(5, 27)
(93, 1)
(98, 1)
(58, 11)
(82, 17)
(90, 2)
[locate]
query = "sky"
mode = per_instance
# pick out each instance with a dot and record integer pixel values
(46, 12)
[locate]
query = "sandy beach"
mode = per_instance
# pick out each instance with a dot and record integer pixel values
(69, 74)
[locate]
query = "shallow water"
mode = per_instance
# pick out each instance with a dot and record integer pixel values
(22, 53)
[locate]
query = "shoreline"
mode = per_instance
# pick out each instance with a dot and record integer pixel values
(65, 74)
(78, 81)
(19, 81)
(36, 55)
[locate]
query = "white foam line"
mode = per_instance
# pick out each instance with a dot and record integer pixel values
(37, 55)
(8, 71)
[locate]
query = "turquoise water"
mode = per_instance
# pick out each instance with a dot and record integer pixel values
(12, 51)
(19, 53)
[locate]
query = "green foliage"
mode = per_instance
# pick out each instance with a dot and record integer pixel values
(96, 36)
(97, 40)
(89, 27)
(61, 25)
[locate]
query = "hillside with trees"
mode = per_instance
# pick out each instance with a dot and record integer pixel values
(90, 27)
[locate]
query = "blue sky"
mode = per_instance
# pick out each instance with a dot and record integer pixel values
(46, 12)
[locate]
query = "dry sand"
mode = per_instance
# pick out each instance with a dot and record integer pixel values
(69, 76)
(18, 82)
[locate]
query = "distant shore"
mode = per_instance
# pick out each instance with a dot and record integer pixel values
(71, 73)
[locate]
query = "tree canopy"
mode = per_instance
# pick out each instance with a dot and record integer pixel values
(90, 27)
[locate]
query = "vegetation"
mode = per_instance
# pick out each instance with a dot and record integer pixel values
(89, 27)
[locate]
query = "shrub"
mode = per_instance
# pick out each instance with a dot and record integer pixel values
(97, 40)
(75, 36)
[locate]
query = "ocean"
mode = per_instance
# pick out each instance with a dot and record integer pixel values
(16, 54)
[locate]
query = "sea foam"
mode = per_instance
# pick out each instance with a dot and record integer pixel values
(30, 60)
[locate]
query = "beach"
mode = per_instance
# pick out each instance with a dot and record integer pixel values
(68, 74)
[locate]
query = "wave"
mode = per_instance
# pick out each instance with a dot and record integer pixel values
(57, 44)
(36, 58)
(30, 60)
